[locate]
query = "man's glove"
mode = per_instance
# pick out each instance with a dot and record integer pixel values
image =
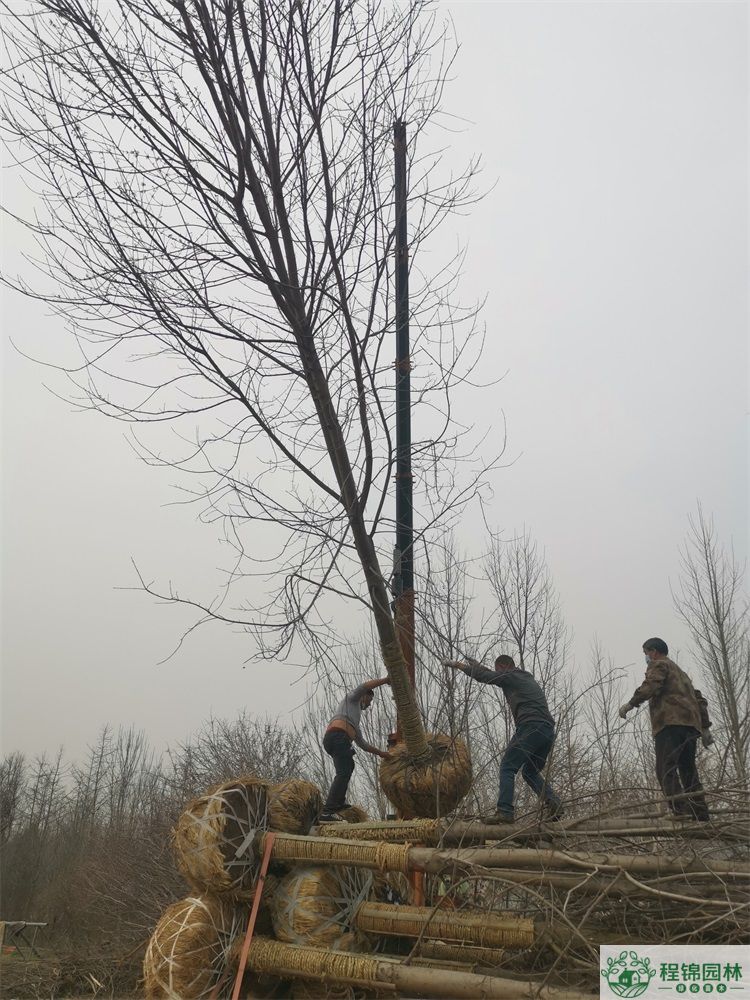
(706, 738)
(624, 709)
(453, 664)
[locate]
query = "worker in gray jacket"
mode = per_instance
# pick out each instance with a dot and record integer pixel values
(343, 730)
(532, 741)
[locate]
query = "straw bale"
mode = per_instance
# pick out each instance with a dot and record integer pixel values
(316, 905)
(432, 789)
(213, 838)
(190, 948)
(294, 806)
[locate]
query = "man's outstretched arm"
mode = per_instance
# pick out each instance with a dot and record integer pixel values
(475, 670)
(368, 747)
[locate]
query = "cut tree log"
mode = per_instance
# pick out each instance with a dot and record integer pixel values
(289, 961)
(462, 831)
(489, 930)
(401, 857)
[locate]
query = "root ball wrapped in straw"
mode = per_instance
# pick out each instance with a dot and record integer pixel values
(190, 948)
(315, 906)
(420, 789)
(213, 838)
(353, 814)
(293, 806)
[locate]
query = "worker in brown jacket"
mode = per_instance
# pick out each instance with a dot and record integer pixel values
(679, 715)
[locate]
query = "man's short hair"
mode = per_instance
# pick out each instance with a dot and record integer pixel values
(657, 646)
(505, 661)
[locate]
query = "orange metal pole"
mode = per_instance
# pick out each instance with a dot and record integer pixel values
(253, 915)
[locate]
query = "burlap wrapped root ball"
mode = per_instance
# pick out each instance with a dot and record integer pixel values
(315, 906)
(422, 790)
(190, 949)
(213, 838)
(294, 806)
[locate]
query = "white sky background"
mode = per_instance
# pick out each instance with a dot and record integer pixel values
(613, 250)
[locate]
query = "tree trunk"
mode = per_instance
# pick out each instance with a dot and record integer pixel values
(393, 657)
(302, 962)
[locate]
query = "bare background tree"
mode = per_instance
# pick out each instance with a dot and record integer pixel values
(712, 601)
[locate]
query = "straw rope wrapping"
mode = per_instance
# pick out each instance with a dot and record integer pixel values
(488, 930)
(293, 806)
(382, 856)
(314, 989)
(442, 950)
(412, 831)
(424, 789)
(213, 838)
(277, 958)
(317, 905)
(190, 948)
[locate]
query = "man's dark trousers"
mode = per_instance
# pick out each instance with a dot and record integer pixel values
(675, 768)
(339, 746)
(527, 752)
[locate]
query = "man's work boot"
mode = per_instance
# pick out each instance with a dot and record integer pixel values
(498, 818)
(330, 817)
(553, 811)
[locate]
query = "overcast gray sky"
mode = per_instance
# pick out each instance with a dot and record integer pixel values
(613, 250)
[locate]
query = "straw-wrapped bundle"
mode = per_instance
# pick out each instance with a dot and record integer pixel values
(190, 948)
(315, 905)
(213, 838)
(293, 806)
(353, 814)
(427, 790)
(315, 989)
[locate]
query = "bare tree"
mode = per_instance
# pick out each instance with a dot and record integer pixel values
(225, 749)
(216, 215)
(12, 770)
(600, 711)
(528, 622)
(713, 603)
